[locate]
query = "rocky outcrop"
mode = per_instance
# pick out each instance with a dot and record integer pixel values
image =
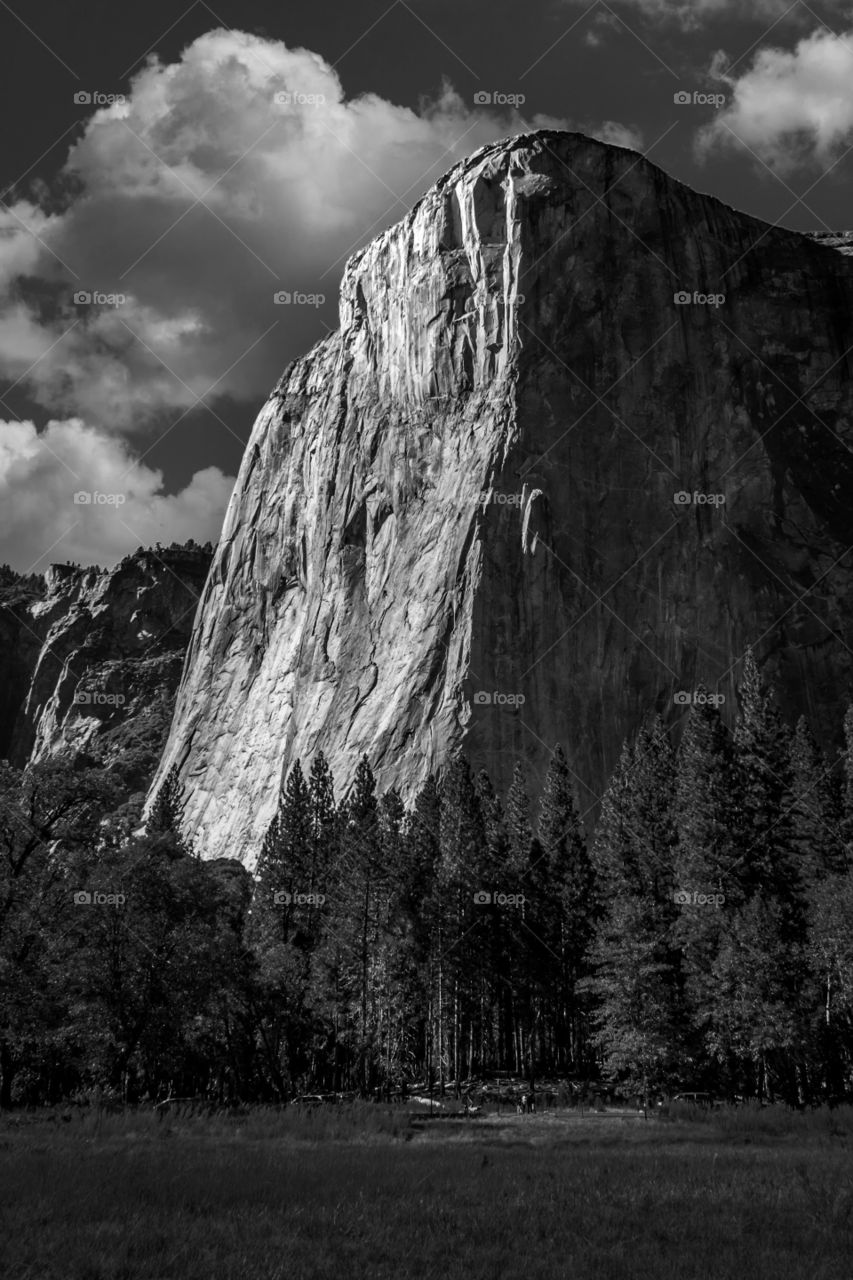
(841, 240)
(583, 435)
(96, 657)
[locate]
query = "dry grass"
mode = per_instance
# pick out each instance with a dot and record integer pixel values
(276, 1195)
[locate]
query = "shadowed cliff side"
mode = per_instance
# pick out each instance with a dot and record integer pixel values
(583, 435)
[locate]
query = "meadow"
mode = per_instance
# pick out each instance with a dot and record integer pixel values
(362, 1191)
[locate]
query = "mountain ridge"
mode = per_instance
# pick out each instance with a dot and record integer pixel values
(430, 509)
(92, 658)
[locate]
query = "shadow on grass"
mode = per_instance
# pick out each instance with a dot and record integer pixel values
(282, 1194)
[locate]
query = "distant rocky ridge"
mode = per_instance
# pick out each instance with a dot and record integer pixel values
(465, 497)
(840, 240)
(90, 659)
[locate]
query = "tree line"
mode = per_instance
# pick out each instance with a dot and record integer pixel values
(699, 937)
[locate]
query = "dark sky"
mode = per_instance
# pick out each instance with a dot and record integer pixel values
(537, 48)
(585, 64)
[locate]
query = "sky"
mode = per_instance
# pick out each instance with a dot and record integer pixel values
(166, 171)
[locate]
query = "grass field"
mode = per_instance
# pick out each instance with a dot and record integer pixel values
(358, 1192)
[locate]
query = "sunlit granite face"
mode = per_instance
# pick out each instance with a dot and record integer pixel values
(456, 521)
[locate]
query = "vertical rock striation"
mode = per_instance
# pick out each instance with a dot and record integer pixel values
(465, 496)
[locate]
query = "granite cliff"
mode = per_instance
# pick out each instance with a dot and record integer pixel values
(583, 434)
(91, 658)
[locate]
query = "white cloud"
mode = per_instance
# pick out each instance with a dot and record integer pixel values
(287, 190)
(790, 108)
(40, 473)
(619, 135)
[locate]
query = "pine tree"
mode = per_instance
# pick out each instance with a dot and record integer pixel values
(612, 856)
(323, 820)
(421, 847)
(762, 755)
(706, 892)
(847, 787)
(360, 895)
(567, 904)
(282, 933)
(532, 970)
(424, 909)
(817, 838)
(761, 974)
(167, 811)
(284, 865)
(519, 827)
(830, 950)
(651, 823)
(634, 958)
(462, 838)
(704, 798)
(497, 848)
(755, 1030)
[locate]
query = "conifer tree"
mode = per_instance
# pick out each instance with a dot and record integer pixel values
(612, 859)
(495, 934)
(357, 921)
(532, 960)
(167, 811)
(636, 976)
(462, 838)
(705, 822)
(421, 847)
(755, 1033)
(284, 865)
(281, 935)
(324, 819)
(423, 906)
(567, 903)
(847, 787)
(816, 832)
(830, 951)
(762, 759)
(519, 827)
(761, 1025)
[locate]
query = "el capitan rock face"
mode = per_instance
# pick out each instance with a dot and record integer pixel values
(470, 487)
(93, 657)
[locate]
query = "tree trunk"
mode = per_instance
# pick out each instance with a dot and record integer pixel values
(7, 1074)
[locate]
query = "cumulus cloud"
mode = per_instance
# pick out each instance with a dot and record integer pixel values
(124, 505)
(237, 172)
(142, 283)
(618, 135)
(790, 108)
